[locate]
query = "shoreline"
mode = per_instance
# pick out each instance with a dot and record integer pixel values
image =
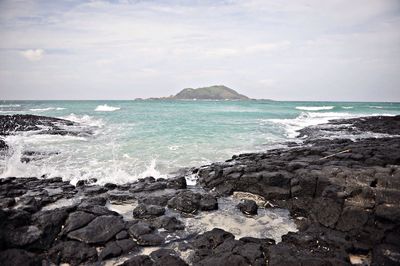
(343, 195)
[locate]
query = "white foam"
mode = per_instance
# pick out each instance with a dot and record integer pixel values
(150, 170)
(347, 107)
(10, 105)
(314, 108)
(306, 119)
(376, 107)
(84, 120)
(46, 109)
(106, 108)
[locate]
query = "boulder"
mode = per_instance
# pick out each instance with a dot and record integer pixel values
(50, 223)
(23, 236)
(169, 223)
(19, 257)
(186, 201)
(100, 230)
(166, 257)
(72, 252)
(139, 260)
(327, 211)
(77, 220)
(248, 207)
(208, 203)
(143, 211)
(352, 218)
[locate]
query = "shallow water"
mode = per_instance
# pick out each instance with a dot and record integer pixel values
(268, 223)
(134, 139)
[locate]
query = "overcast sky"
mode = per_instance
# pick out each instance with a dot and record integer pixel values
(283, 50)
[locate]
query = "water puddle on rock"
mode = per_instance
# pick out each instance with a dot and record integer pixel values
(268, 223)
(123, 208)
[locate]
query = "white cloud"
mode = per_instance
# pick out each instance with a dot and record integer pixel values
(33, 55)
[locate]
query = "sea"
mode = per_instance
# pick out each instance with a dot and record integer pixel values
(138, 138)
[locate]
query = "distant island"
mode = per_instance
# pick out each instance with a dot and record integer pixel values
(216, 92)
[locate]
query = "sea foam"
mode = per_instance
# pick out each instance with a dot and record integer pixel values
(46, 109)
(314, 108)
(106, 108)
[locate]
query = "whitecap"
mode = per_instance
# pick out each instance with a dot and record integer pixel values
(314, 108)
(46, 109)
(376, 107)
(10, 105)
(84, 120)
(41, 109)
(347, 107)
(306, 119)
(106, 108)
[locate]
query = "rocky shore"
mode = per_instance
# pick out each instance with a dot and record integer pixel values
(343, 194)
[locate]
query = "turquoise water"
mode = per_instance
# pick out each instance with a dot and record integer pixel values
(135, 139)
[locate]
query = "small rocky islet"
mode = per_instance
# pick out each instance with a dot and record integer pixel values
(343, 194)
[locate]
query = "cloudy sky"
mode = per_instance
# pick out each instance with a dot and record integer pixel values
(284, 50)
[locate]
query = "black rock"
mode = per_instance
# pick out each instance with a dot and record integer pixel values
(386, 255)
(127, 245)
(166, 257)
(156, 200)
(169, 223)
(110, 250)
(352, 218)
(140, 260)
(49, 222)
(96, 210)
(7, 202)
(72, 252)
(186, 201)
(100, 230)
(153, 239)
(110, 186)
(143, 211)
(177, 182)
(77, 220)
(19, 257)
(208, 203)
(122, 235)
(248, 207)
(99, 200)
(94, 190)
(327, 211)
(140, 228)
(23, 236)
(211, 239)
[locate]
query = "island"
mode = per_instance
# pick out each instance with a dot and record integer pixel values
(216, 92)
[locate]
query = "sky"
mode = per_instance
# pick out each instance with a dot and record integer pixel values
(336, 50)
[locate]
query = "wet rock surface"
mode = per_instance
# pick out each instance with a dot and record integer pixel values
(343, 194)
(12, 124)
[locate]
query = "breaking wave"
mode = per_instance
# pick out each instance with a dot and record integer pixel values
(314, 108)
(106, 108)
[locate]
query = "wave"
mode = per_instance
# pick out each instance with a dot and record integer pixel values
(314, 108)
(46, 109)
(84, 120)
(306, 119)
(106, 108)
(9, 105)
(347, 107)
(376, 107)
